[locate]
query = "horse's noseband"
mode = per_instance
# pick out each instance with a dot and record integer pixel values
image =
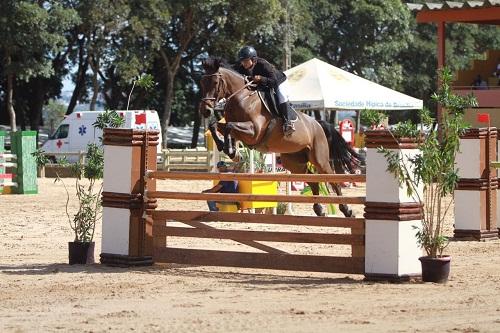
(214, 98)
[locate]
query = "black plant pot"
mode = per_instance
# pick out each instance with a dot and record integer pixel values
(435, 269)
(81, 253)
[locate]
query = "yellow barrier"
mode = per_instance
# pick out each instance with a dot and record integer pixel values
(258, 187)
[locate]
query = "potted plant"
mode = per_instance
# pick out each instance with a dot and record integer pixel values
(372, 118)
(88, 193)
(435, 171)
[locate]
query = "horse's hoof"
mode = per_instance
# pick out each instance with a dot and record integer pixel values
(236, 158)
(318, 209)
(348, 213)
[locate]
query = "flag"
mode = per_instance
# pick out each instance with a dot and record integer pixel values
(483, 118)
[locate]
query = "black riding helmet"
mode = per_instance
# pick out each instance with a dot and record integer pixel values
(246, 52)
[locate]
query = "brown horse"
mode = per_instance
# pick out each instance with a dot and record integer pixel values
(248, 120)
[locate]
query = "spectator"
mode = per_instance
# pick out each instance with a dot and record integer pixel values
(479, 83)
(224, 186)
(497, 69)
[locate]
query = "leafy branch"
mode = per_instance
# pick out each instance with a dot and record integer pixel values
(433, 169)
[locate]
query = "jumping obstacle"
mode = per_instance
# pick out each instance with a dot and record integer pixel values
(186, 159)
(383, 244)
(476, 191)
(18, 169)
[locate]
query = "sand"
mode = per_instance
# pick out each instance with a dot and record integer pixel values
(39, 291)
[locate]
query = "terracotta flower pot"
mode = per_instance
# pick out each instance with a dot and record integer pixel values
(81, 253)
(435, 269)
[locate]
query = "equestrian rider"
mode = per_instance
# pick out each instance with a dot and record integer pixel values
(266, 76)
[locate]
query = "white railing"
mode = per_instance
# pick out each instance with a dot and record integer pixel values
(186, 159)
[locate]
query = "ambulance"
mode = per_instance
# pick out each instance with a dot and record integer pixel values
(76, 131)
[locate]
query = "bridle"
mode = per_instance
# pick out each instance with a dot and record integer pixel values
(224, 85)
(207, 99)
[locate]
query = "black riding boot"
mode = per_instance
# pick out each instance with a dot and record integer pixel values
(288, 125)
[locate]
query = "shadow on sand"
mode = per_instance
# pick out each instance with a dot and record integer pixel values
(273, 278)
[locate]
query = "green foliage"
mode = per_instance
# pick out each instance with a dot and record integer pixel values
(244, 163)
(53, 113)
(406, 129)
(30, 32)
(115, 41)
(281, 208)
(372, 118)
(109, 118)
(434, 169)
(145, 81)
(380, 29)
(40, 158)
(87, 175)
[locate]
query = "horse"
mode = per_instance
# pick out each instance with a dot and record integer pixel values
(248, 120)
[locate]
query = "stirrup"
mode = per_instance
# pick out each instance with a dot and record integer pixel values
(288, 128)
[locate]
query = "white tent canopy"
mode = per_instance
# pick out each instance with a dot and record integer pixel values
(318, 85)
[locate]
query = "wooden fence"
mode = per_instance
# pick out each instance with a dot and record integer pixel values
(201, 225)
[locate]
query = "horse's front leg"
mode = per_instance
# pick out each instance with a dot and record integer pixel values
(233, 129)
(212, 127)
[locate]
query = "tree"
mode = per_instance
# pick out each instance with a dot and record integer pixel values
(30, 34)
(362, 37)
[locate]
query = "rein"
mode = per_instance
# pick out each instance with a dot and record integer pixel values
(224, 83)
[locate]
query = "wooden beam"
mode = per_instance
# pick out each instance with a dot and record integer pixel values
(294, 262)
(160, 216)
(239, 197)
(258, 176)
(441, 44)
(466, 15)
(267, 236)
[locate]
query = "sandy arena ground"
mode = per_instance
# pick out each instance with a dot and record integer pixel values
(39, 292)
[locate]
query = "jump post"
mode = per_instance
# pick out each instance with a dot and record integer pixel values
(19, 162)
(476, 192)
(383, 245)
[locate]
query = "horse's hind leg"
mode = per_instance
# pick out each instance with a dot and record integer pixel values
(321, 162)
(297, 163)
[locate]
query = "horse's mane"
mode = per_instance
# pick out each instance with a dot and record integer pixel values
(212, 65)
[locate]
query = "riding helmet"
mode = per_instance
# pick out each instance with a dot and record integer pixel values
(247, 52)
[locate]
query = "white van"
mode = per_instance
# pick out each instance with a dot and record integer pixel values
(76, 131)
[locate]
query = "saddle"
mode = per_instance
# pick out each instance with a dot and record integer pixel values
(270, 100)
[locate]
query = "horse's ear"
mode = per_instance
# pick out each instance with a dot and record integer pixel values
(211, 64)
(206, 64)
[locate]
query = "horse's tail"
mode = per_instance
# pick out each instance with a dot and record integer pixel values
(342, 156)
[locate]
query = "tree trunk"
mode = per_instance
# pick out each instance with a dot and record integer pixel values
(40, 88)
(196, 130)
(94, 64)
(10, 106)
(83, 65)
(167, 108)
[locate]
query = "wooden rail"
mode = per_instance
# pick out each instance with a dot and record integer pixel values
(318, 221)
(284, 261)
(240, 197)
(257, 176)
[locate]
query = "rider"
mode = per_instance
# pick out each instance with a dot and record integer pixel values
(266, 76)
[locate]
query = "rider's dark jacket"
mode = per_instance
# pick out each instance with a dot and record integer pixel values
(271, 77)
